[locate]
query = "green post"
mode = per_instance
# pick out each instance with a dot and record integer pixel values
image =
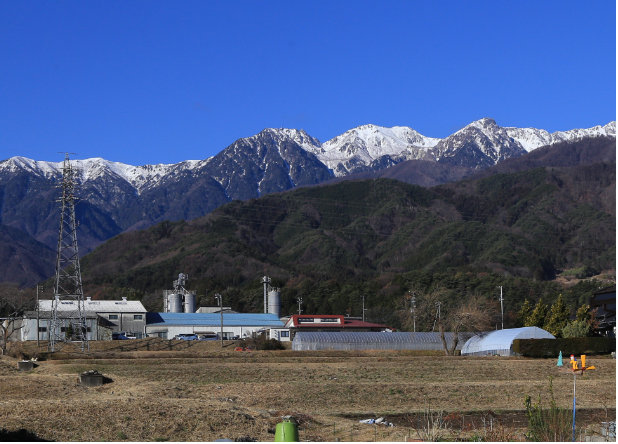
(286, 431)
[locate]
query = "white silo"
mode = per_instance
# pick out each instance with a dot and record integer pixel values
(189, 304)
(274, 301)
(174, 301)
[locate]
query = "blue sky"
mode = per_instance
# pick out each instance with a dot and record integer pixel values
(145, 82)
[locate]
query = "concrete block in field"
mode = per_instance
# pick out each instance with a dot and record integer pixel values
(91, 378)
(25, 366)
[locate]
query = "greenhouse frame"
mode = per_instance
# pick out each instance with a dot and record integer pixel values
(374, 340)
(500, 342)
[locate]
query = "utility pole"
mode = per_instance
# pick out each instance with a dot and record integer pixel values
(300, 302)
(501, 306)
(363, 296)
(37, 317)
(437, 318)
(219, 299)
(413, 308)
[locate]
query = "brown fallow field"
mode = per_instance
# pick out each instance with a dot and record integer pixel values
(198, 391)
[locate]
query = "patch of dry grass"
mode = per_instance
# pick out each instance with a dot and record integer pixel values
(203, 393)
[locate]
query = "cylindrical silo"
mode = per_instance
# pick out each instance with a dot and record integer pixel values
(189, 303)
(274, 301)
(174, 301)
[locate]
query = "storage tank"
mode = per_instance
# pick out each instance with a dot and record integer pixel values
(274, 301)
(189, 302)
(174, 303)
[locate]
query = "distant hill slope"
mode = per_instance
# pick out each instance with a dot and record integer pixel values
(332, 243)
(24, 260)
(586, 151)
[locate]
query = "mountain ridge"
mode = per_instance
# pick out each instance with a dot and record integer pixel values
(328, 244)
(115, 197)
(528, 138)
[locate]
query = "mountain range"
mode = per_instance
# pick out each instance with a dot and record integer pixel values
(115, 197)
(330, 244)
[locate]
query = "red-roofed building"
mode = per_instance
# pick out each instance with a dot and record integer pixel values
(330, 323)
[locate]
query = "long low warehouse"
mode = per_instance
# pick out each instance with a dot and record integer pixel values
(168, 325)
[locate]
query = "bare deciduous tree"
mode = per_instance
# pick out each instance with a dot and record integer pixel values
(13, 303)
(474, 315)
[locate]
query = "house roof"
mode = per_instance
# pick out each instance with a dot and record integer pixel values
(96, 306)
(352, 323)
(606, 290)
(214, 319)
(344, 323)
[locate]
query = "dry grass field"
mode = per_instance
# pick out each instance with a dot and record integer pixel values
(173, 391)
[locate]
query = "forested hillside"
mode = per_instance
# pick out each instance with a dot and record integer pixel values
(379, 238)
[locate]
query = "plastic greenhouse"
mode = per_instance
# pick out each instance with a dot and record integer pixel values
(373, 340)
(500, 342)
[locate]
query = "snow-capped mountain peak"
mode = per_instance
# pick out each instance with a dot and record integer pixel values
(367, 147)
(533, 138)
(366, 144)
(478, 144)
(300, 137)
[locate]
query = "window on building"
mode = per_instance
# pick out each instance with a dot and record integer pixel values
(113, 317)
(285, 334)
(137, 317)
(42, 329)
(63, 329)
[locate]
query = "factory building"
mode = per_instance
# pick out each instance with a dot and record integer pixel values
(235, 325)
(103, 318)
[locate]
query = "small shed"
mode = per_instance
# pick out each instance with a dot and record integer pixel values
(500, 342)
(373, 340)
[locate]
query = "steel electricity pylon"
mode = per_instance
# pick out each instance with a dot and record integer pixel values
(68, 317)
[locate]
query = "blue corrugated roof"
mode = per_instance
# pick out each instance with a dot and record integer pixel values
(214, 319)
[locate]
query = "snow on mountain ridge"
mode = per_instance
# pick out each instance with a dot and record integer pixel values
(478, 144)
(364, 147)
(368, 143)
(533, 138)
(140, 177)
(300, 137)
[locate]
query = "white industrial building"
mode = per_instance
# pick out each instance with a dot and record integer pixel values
(103, 317)
(242, 325)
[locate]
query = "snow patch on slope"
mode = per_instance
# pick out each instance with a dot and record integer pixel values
(140, 177)
(368, 143)
(533, 138)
